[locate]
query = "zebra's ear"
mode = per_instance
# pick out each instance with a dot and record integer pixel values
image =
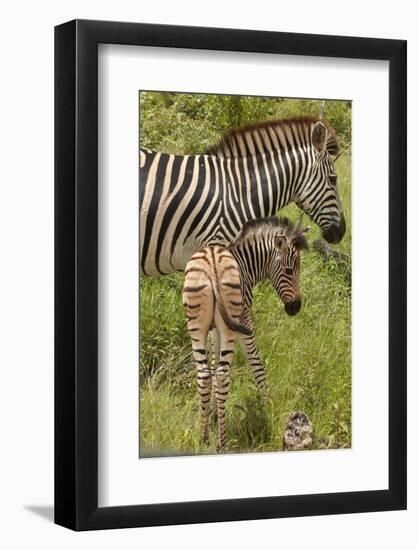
(300, 240)
(281, 243)
(319, 136)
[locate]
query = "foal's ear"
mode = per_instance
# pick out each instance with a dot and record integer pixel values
(319, 136)
(281, 243)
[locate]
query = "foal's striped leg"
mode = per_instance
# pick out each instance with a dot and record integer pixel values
(222, 381)
(203, 380)
(247, 343)
(198, 304)
(215, 357)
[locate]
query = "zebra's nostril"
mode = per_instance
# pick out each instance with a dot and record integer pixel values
(342, 226)
(292, 308)
(334, 233)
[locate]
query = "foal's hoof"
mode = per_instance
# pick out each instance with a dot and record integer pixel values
(221, 448)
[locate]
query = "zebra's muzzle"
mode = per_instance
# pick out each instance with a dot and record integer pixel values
(334, 233)
(292, 308)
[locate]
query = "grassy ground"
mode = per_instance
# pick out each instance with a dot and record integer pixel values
(307, 360)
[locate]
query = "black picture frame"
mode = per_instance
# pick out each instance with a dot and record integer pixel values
(76, 272)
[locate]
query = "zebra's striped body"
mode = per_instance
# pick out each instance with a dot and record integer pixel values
(189, 202)
(218, 294)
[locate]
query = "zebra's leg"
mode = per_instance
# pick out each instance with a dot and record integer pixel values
(222, 382)
(248, 346)
(198, 305)
(204, 380)
(215, 357)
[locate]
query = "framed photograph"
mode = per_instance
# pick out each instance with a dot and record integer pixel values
(230, 255)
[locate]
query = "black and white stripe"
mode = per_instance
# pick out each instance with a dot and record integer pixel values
(188, 202)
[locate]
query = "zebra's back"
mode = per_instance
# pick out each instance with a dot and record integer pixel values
(180, 203)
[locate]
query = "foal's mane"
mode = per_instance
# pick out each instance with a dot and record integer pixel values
(270, 135)
(279, 225)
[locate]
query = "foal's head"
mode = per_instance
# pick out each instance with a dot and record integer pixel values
(270, 248)
(285, 262)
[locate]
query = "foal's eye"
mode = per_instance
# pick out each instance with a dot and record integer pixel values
(288, 271)
(333, 179)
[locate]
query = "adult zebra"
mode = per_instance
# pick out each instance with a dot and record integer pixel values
(188, 202)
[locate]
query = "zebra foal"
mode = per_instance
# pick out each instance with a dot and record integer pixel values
(218, 294)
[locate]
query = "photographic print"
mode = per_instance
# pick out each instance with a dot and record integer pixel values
(204, 269)
(245, 274)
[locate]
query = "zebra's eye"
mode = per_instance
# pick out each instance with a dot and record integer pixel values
(333, 179)
(288, 271)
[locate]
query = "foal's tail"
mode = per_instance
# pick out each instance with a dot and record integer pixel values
(230, 323)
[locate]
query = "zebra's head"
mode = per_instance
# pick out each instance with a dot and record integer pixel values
(318, 194)
(284, 267)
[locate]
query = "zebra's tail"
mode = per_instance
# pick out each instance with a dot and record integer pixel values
(233, 325)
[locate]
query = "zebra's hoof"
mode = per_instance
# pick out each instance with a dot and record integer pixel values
(221, 448)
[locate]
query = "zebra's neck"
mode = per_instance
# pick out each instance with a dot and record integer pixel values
(258, 186)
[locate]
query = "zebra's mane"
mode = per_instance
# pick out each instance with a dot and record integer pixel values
(257, 138)
(279, 225)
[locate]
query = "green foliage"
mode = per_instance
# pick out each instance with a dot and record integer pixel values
(307, 357)
(190, 123)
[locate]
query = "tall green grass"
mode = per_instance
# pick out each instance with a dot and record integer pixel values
(307, 357)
